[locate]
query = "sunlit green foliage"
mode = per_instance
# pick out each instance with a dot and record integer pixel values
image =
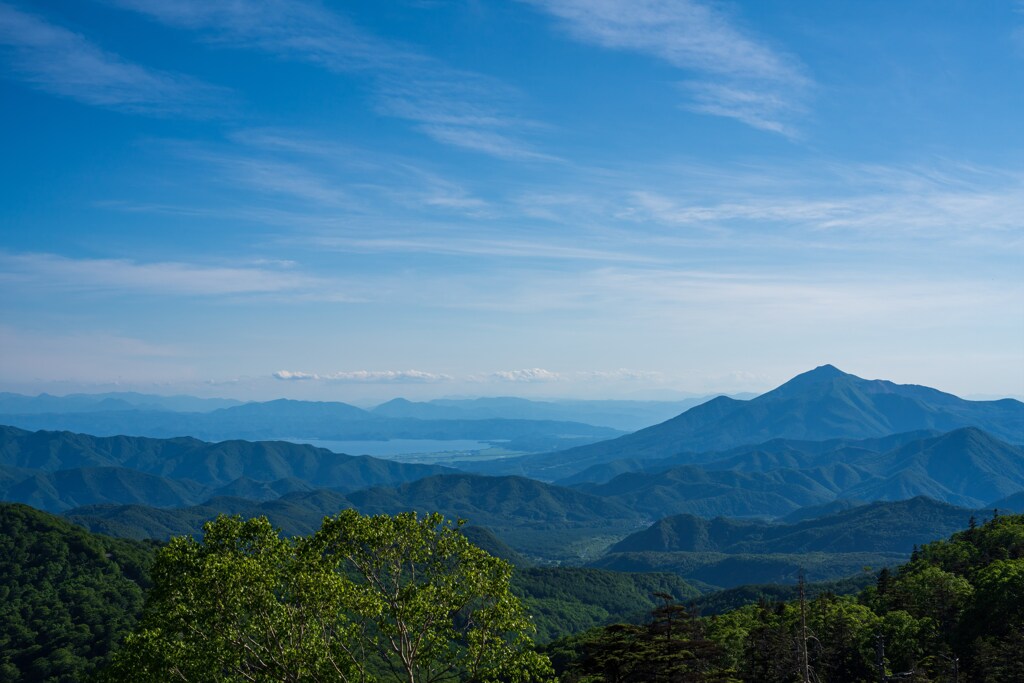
(403, 598)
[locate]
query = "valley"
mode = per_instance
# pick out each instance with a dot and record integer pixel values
(841, 478)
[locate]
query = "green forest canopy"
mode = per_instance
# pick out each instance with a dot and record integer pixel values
(68, 597)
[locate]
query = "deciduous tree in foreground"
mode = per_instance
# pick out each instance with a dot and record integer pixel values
(364, 598)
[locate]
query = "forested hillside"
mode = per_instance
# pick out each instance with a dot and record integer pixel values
(955, 612)
(70, 595)
(67, 597)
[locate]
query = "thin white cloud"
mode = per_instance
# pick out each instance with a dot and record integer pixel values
(398, 178)
(366, 376)
(295, 376)
(757, 107)
(61, 62)
(730, 72)
(941, 202)
(813, 206)
(486, 141)
(521, 376)
(620, 375)
(454, 107)
(47, 271)
(275, 176)
(527, 375)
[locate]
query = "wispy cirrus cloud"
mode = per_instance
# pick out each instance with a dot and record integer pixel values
(61, 62)
(730, 72)
(304, 182)
(399, 178)
(497, 247)
(940, 202)
(486, 141)
(49, 271)
(452, 106)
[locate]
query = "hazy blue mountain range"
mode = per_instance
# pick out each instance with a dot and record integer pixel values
(59, 470)
(18, 404)
(762, 457)
(287, 419)
(819, 405)
(623, 415)
(966, 467)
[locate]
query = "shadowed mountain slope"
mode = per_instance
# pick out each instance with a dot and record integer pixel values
(60, 470)
(875, 527)
(965, 467)
(822, 404)
(522, 511)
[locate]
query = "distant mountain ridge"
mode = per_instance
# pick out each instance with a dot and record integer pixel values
(290, 419)
(874, 527)
(965, 467)
(622, 415)
(728, 552)
(528, 515)
(824, 403)
(59, 470)
(19, 404)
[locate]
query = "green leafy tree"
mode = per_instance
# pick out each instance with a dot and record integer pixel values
(362, 596)
(841, 645)
(436, 607)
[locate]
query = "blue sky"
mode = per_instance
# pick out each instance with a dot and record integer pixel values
(592, 198)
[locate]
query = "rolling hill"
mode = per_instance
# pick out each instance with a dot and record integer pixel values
(875, 527)
(965, 467)
(536, 519)
(61, 470)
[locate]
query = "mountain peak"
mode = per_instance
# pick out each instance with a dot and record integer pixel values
(826, 371)
(823, 374)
